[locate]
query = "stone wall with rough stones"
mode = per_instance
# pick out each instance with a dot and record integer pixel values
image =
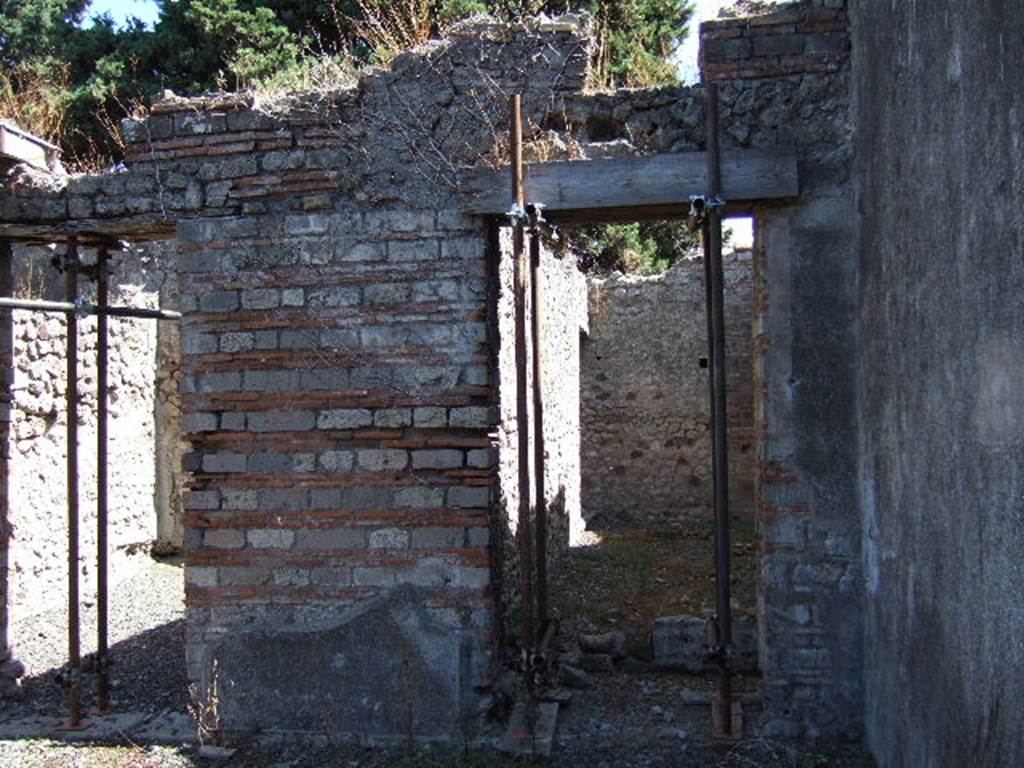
(35, 454)
(337, 364)
(646, 441)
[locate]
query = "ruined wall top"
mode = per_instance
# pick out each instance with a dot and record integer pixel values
(404, 135)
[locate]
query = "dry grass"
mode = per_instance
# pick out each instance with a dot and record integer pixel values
(630, 579)
(393, 27)
(33, 100)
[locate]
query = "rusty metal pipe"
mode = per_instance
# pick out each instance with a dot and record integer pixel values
(88, 309)
(539, 451)
(522, 388)
(720, 463)
(71, 396)
(103, 673)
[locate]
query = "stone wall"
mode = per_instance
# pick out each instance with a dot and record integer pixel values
(941, 235)
(337, 366)
(564, 317)
(36, 449)
(646, 416)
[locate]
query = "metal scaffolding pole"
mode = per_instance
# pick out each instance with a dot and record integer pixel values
(522, 388)
(722, 640)
(71, 395)
(102, 340)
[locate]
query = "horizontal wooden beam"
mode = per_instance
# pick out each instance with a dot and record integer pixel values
(635, 186)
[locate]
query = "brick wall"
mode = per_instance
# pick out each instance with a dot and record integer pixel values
(646, 416)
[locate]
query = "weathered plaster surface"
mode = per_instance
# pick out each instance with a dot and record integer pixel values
(940, 139)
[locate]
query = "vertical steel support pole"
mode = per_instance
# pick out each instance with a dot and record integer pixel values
(522, 393)
(539, 451)
(74, 650)
(720, 464)
(102, 299)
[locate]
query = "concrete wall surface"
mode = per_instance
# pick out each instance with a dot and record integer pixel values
(940, 139)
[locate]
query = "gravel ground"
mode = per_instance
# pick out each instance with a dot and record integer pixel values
(147, 642)
(629, 719)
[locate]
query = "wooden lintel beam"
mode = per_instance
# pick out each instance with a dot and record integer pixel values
(631, 185)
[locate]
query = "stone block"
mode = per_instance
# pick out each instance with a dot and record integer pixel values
(261, 298)
(436, 459)
(419, 497)
(263, 380)
(338, 296)
(389, 538)
(344, 418)
(393, 417)
(240, 498)
(200, 576)
(269, 461)
(298, 339)
(223, 538)
(331, 539)
(469, 496)
(413, 250)
(224, 462)
(270, 538)
(232, 421)
(293, 297)
(337, 461)
(281, 421)
(382, 459)
(436, 537)
(237, 342)
(284, 499)
(387, 293)
(221, 381)
(778, 45)
(219, 301)
(474, 417)
(430, 417)
(307, 224)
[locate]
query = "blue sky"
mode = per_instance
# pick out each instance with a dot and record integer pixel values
(122, 10)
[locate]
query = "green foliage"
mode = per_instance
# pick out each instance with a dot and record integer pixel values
(645, 248)
(73, 83)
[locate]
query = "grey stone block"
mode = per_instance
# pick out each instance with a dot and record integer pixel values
(261, 298)
(330, 538)
(219, 301)
(469, 496)
(475, 417)
(224, 538)
(344, 418)
(382, 459)
(393, 417)
(262, 380)
(436, 537)
(224, 462)
(430, 417)
(281, 421)
(389, 538)
(419, 497)
(436, 459)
